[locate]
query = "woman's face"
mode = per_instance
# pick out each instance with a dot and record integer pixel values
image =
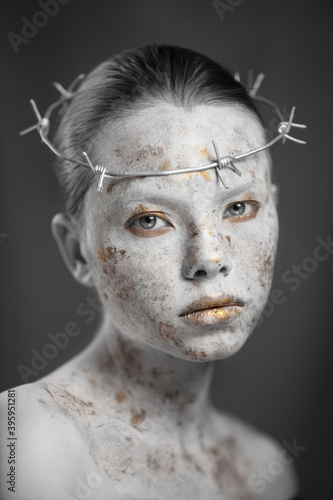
(162, 247)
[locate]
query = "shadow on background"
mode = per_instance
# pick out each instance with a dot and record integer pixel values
(280, 381)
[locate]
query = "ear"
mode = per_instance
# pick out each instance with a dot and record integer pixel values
(275, 194)
(71, 248)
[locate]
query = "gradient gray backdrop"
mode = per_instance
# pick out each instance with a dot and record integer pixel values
(281, 380)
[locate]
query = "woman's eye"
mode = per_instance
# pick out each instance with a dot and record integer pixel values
(237, 208)
(242, 210)
(149, 225)
(149, 222)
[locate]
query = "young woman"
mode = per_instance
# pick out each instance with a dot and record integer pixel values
(183, 266)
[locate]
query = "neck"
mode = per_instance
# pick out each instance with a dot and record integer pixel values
(150, 379)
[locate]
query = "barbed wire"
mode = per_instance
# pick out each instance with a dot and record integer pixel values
(43, 127)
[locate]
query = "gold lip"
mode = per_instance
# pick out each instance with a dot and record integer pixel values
(211, 303)
(213, 315)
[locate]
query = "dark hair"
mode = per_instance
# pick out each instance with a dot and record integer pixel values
(128, 82)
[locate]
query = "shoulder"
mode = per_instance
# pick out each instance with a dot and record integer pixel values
(273, 473)
(36, 441)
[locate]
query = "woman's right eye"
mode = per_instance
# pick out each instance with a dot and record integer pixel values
(149, 224)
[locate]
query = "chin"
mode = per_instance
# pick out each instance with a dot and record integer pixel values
(226, 350)
(211, 346)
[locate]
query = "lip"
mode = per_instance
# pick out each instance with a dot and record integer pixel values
(211, 311)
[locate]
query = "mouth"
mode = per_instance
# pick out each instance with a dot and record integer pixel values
(209, 311)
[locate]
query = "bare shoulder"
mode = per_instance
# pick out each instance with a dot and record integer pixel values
(273, 473)
(40, 441)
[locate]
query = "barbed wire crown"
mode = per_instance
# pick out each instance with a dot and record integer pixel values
(43, 127)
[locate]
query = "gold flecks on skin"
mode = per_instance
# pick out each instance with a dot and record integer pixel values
(141, 155)
(166, 331)
(166, 165)
(202, 149)
(122, 183)
(266, 271)
(120, 396)
(123, 293)
(193, 229)
(141, 209)
(69, 404)
(206, 227)
(215, 258)
(192, 353)
(110, 253)
(111, 185)
(235, 152)
(138, 417)
(204, 173)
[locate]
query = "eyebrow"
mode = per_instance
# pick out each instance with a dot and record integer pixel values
(247, 186)
(142, 194)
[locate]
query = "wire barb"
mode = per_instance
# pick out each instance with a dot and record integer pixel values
(284, 128)
(42, 123)
(219, 165)
(256, 85)
(89, 162)
(101, 172)
(68, 94)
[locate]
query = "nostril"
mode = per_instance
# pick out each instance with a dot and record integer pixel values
(206, 270)
(200, 274)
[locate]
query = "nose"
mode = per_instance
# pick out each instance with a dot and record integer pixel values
(206, 257)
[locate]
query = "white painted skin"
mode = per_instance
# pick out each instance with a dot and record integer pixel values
(135, 404)
(146, 282)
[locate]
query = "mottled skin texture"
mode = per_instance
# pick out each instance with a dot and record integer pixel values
(134, 407)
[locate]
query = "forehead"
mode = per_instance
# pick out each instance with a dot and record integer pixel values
(166, 137)
(167, 131)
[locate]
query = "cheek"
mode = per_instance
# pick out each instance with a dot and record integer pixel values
(257, 245)
(133, 283)
(254, 250)
(112, 265)
(142, 291)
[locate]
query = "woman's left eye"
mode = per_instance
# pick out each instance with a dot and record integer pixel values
(242, 210)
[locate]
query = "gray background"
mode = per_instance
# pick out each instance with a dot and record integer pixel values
(281, 380)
